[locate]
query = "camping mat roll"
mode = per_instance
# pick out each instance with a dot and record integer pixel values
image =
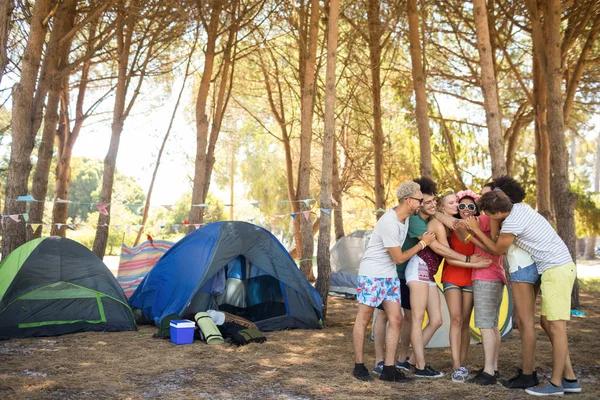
(209, 329)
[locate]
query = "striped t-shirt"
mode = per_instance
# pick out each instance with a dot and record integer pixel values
(534, 234)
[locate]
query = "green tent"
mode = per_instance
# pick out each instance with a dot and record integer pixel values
(53, 286)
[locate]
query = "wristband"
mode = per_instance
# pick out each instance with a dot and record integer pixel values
(468, 237)
(468, 260)
(423, 244)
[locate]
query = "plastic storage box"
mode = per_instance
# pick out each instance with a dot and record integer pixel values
(182, 331)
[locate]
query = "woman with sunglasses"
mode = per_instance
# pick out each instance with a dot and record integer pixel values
(458, 291)
(488, 288)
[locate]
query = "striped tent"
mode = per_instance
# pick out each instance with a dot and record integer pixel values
(136, 262)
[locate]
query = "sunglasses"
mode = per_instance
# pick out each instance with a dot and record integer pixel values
(420, 200)
(470, 207)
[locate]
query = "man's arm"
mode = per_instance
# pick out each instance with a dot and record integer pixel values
(497, 248)
(447, 252)
(447, 220)
(400, 256)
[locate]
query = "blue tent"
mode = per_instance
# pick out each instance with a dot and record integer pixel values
(235, 267)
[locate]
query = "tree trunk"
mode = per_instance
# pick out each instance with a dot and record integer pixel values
(597, 166)
(125, 28)
(57, 58)
(489, 88)
(197, 213)
(374, 42)
(580, 244)
(323, 256)
(590, 248)
(23, 139)
(67, 137)
(223, 95)
(542, 145)
(559, 157)
(338, 218)
(307, 105)
(418, 75)
(6, 10)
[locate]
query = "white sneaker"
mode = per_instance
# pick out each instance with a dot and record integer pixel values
(460, 375)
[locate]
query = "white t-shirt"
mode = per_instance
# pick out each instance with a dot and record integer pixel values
(517, 258)
(377, 262)
(534, 234)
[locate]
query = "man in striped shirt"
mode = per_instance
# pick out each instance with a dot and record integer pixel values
(529, 230)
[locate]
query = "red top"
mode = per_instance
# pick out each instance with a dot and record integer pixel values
(458, 275)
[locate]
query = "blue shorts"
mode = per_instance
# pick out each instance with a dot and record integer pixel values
(373, 291)
(527, 274)
(449, 286)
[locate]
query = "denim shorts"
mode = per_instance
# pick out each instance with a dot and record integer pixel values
(449, 286)
(527, 274)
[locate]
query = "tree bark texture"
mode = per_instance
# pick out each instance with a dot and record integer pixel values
(197, 213)
(418, 75)
(23, 140)
(57, 58)
(374, 42)
(323, 256)
(338, 218)
(489, 88)
(307, 105)
(542, 144)
(6, 10)
(67, 137)
(559, 157)
(590, 248)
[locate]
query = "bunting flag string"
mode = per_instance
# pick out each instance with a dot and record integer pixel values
(103, 208)
(135, 207)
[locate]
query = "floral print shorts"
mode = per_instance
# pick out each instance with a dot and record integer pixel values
(373, 291)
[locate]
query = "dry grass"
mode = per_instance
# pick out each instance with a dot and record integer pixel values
(290, 365)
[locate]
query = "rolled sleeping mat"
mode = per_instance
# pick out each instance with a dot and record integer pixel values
(208, 328)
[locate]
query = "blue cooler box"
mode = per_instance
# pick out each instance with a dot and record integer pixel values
(182, 331)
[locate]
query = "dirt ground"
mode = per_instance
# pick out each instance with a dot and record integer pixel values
(290, 365)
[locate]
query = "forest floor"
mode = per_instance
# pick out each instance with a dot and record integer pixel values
(297, 364)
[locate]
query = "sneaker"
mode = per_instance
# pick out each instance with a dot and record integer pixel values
(571, 387)
(522, 381)
(496, 373)
(378, 368)
(546, 390)
(483, 379)
(460, 375)
(405, 365)
(428, 372)
(393, 376)
(362, 373)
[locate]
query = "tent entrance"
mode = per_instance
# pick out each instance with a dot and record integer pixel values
(70, 303)
(249, 292)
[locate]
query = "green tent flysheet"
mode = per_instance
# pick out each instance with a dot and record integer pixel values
(53, 286)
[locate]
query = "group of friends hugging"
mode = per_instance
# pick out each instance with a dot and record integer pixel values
(480, 239)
